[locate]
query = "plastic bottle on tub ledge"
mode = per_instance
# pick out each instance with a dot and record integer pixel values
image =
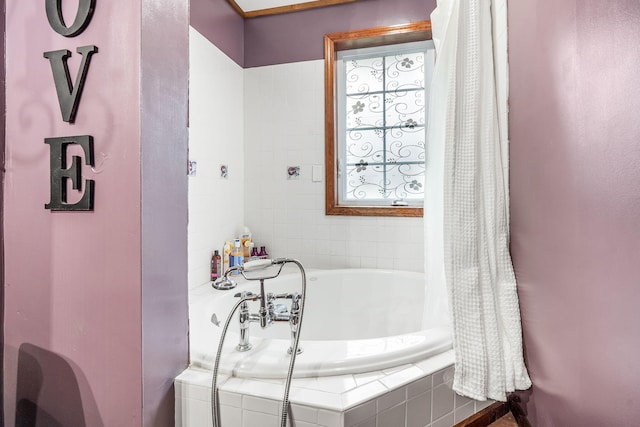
(237, 255)
(215, 266)
(245, 241)
(254, 253)
(226, 255)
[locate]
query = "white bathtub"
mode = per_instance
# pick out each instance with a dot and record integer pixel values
(355, 320)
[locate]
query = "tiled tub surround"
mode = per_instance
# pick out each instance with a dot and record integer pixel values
(412, 395)
(396, 392)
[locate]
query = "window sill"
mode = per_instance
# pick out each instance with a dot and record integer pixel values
(391, 211)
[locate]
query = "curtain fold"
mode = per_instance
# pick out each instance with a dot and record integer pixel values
(467, 229)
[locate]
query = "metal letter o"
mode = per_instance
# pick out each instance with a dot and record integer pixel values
(83, 17)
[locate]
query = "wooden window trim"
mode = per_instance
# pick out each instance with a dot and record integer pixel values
(285, 9)
(379, 36)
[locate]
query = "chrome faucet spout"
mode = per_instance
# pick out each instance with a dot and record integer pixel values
(245, 319)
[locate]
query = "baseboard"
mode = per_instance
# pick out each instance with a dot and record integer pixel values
(495, 411)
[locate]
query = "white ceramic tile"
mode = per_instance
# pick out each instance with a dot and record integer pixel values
(394, 369)
(419, 410)
(418, 387)
(329, 418)
(261, 389)
(371, 422)
(443, 398)
(258, 419)
(196, 392)
(258, 404)
(322, 399)
(309, 383)
(367, 377)
(393, 417)
(198, 414)
(337, 384)
(460, 401)
(446, 421)
(230, 399)
(402, 377)
(360, 413)
(463, 412)
(443, 376)
(362, 394)
(391, 398)
(437, 362)
(230, 416)
(180, 411)
(304, 413)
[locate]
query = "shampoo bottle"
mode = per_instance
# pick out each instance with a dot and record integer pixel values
(226, 254)
(215, 265)
(245, 241)
(237, 255)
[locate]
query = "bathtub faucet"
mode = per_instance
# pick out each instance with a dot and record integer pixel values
(245, 319)
(268, 313)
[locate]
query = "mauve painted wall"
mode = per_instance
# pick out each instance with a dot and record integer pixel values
(164, 145)
(2, 145)
(298, 36)
(575, 206)
(221, 25)
(78, 291)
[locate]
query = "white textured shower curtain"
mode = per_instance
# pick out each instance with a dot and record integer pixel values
(466, 225)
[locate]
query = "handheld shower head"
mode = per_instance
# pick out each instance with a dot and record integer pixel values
(257, 264)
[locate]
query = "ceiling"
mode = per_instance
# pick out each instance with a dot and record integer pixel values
(254, 8)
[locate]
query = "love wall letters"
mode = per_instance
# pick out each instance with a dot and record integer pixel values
(69, 94)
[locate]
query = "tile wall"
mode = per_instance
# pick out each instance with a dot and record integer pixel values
(258, 122)
(284, 126)
(216, 137)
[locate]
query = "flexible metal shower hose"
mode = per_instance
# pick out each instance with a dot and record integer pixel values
(215, 404)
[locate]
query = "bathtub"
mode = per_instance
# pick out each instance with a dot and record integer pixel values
(369, 356)
(355, 320)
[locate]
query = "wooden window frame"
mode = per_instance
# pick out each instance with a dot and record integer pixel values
(296, 7)
(379, 36)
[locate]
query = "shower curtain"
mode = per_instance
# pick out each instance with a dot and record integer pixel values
(466, 202)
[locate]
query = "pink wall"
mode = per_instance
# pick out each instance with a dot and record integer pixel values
(164, 146)
(79, 287)
(575, 206)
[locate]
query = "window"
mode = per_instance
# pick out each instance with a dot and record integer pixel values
(376, 108)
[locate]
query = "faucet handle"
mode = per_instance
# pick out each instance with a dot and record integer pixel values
(244, 294)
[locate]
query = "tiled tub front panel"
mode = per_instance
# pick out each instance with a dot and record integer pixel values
(427, 401)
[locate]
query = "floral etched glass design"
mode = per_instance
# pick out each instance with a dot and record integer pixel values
(384, 132)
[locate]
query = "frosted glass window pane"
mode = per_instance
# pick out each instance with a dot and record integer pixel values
(364, 75)
(365, 182)
(405, 71)
(405, 109)
(403, 146)
(365, 111)
(405, 181)
(365, 146)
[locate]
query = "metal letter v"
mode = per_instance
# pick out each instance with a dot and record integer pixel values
(68, 93)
